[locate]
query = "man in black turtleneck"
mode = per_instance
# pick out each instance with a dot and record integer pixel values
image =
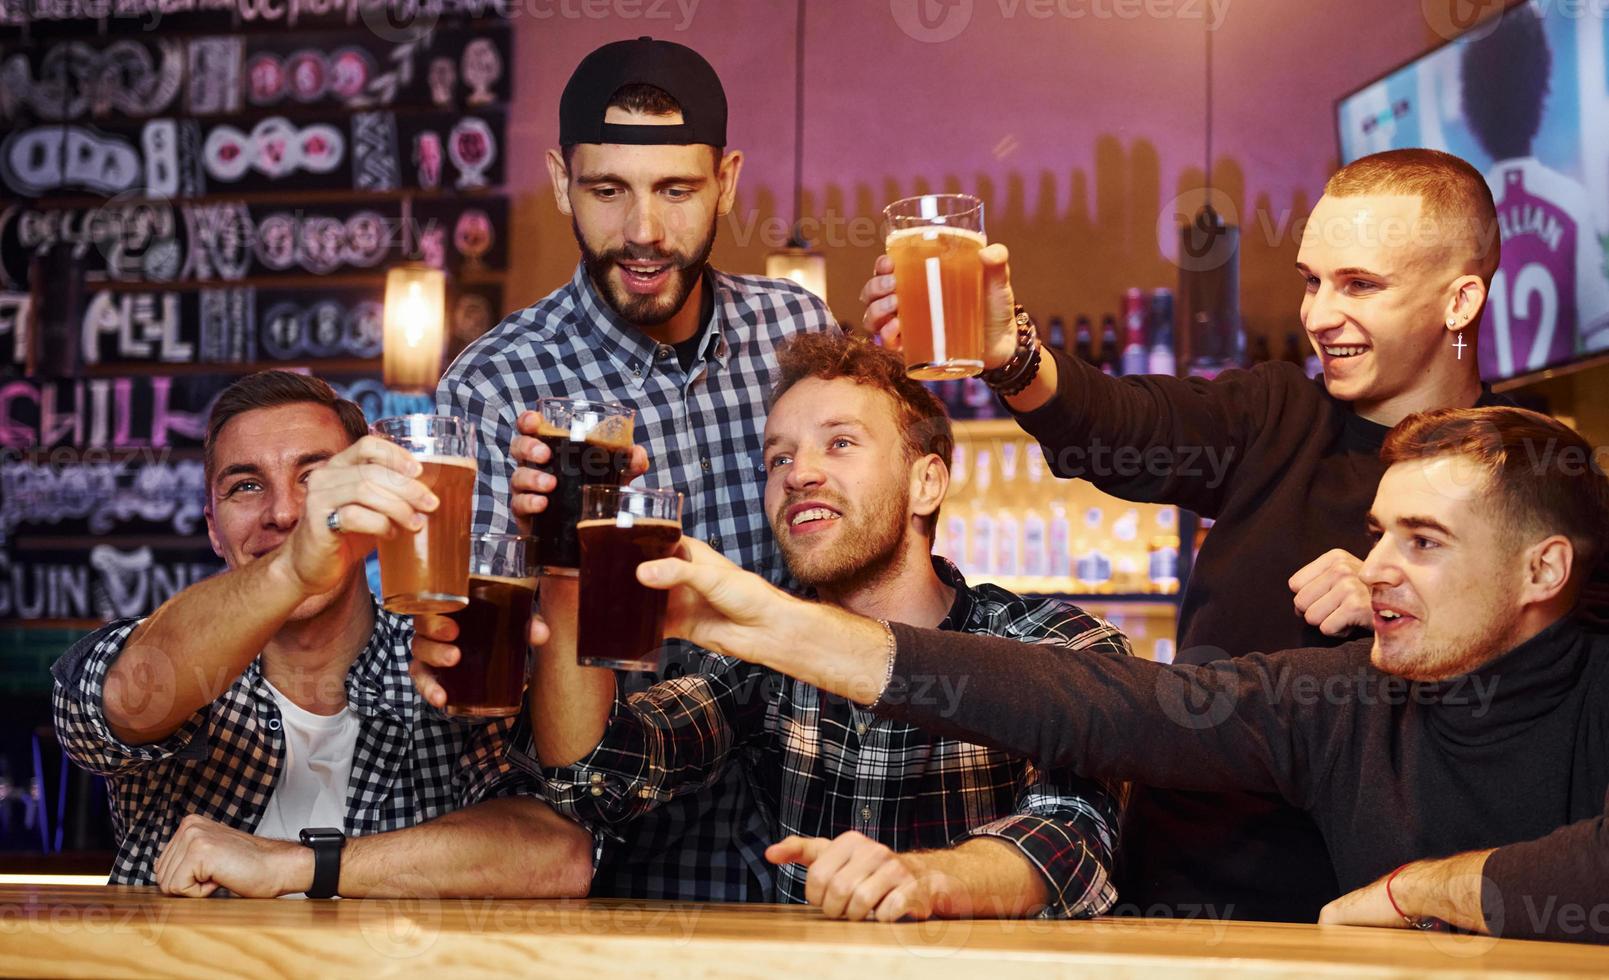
(1474, 723)
(1395, 262)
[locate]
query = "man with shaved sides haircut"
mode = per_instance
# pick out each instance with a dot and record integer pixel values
(1394, 264)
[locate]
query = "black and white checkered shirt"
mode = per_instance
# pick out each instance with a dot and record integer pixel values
(703, 430)
(411, 764)
(826, 766)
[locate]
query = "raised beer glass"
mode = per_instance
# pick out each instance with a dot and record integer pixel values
(934, 241)
(591, 444)
(493, 630)
(622, 622)
(427, 571)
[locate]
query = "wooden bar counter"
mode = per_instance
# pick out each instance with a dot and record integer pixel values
(97, 931)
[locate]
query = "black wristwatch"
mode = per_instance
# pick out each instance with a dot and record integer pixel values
(326, 843)
(1014, 376)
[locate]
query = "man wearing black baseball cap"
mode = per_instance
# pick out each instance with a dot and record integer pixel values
(643, 172)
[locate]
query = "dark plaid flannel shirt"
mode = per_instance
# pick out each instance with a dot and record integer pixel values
(827, 765)
(703, 430)
(411, 764)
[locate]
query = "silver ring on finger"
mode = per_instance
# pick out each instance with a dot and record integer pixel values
(333, 522)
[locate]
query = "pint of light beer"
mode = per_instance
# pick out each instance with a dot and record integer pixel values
(622, 621)
(427, 571)
(934, 241)
(494, 654)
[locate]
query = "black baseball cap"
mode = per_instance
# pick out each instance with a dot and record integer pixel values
(677, 69)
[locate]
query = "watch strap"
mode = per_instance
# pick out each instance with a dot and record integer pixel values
(326, 844)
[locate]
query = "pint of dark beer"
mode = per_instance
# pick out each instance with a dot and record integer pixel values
(493, 630)
(622, 622)
(934, 241)
(591, 445)
(427, 571)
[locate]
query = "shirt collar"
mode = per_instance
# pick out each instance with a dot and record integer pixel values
(966, 599)
(634, 352)
(377, 683)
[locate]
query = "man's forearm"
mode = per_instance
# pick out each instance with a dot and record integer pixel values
(569, 703)
(193, 647)
(506, 848)
(1448, 889)
(990, 879)
(837, 651)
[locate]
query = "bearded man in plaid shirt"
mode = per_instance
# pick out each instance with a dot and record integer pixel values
(273, 699)
(644, 174)
(877, 819)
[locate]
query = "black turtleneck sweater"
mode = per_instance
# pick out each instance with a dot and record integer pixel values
(1288, 473)
(1513, 756)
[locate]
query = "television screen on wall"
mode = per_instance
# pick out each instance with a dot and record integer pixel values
(1524, 96)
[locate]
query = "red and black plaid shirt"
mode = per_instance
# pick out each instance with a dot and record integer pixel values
(825, 765)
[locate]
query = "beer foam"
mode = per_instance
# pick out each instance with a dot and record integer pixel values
(934, 231)
(463, 461)
(606, 434)
(524, 583)
(635, 522)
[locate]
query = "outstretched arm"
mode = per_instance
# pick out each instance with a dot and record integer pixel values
(192, 648)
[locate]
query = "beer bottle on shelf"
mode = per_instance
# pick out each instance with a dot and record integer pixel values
(1128, 561)
(1094, 566)
(1162, 359)
(1164, 553)
(1035, 544)
(1056, 334)
(1007, 529)
(1135, 354)
(1109, 360)
(1058, 541)
(981, 540)
(1084, 339)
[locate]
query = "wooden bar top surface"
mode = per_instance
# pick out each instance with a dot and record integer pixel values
(100, 931)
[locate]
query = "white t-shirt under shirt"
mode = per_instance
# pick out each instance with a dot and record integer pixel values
(312, 785)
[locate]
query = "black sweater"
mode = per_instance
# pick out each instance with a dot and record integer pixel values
(1514, 754)
(1288, 473)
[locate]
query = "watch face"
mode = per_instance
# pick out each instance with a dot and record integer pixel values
(322, 835)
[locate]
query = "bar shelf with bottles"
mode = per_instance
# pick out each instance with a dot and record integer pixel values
(1009, 521)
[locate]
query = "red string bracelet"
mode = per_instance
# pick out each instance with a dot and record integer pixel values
(1413, 923)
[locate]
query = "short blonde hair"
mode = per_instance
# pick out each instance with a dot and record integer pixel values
(1454, 195)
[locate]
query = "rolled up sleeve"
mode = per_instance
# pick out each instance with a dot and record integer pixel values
(79, 709)
(1066, 827)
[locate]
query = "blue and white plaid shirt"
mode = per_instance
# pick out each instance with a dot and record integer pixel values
(412, 763)
(703, 430)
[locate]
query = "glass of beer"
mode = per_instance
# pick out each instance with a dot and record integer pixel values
(427, 571)
(591, 444)
(934, 241)
(493, 630)
(622, 622)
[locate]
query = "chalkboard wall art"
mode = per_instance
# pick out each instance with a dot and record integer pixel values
(224, 183)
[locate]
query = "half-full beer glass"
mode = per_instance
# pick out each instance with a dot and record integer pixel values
(427, 571)
(591, 444)
(494, 652)
(934, 241)
(622, 622)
